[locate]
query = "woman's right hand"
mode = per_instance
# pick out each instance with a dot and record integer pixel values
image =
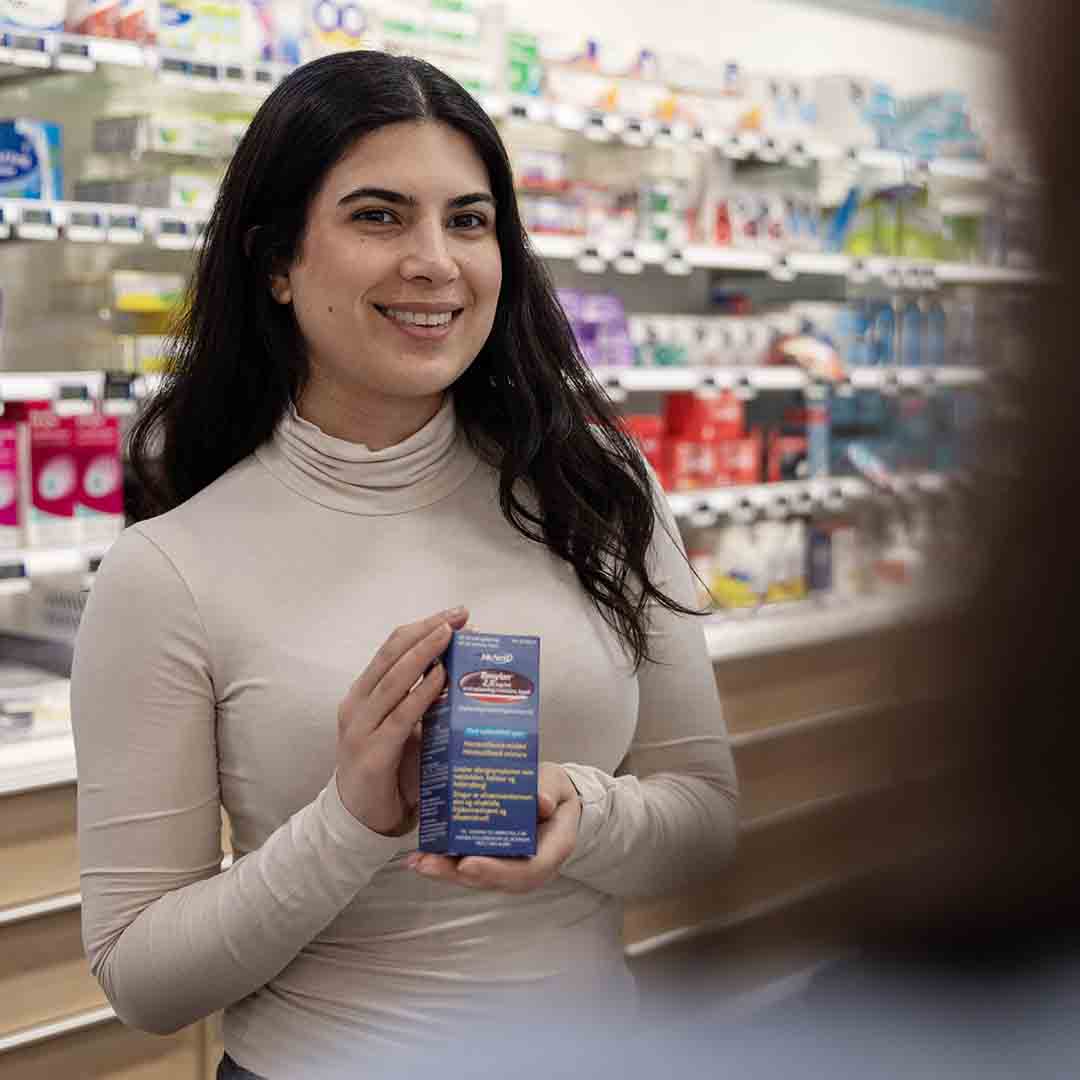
(378, 743)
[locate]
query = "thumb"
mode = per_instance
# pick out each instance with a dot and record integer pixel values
(545, 806)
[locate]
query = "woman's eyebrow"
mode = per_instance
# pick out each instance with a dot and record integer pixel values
(468, 200)
(398, 199)
(382, 194)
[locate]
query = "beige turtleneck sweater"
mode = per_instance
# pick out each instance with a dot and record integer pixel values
(216, 646)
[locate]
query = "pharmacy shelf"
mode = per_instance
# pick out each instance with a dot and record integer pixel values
(624, 380)
(182, 230)
(101, 223)
(778, 627)
(43, 52)
(702, 507)
(37, 562)
(32, 763)
(30, 53)
(895, 272)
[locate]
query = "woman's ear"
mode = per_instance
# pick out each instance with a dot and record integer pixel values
(280, 285)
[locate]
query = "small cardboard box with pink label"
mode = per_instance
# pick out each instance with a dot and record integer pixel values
(479, 756)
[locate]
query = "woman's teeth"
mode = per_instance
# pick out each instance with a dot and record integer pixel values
(416, 318)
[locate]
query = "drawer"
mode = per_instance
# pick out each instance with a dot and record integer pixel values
(780, 769)
(39, 854)
(760, 691)
(44, 974)
(804, 853)
(110, 1051)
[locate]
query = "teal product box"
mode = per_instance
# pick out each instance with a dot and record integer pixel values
(479, 764)
(30, 160)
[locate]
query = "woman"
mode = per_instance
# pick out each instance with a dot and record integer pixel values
(378, 412)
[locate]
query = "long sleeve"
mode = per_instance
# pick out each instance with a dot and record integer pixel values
(669, 816)
(170, 938)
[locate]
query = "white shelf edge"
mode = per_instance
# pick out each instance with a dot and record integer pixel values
(31, 764)
(51, 906)
(42, 1032)
(774, 377)
(737, 637)
(723, 499)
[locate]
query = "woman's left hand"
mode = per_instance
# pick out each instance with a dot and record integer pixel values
(558, 811)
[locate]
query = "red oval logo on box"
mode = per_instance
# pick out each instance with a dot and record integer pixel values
(496, 687)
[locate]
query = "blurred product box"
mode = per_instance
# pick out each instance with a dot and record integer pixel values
(31, 160)
(32, 16)
(99, 506)
(189, 134)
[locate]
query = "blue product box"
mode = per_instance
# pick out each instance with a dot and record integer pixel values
(30, 160)
(479, 762)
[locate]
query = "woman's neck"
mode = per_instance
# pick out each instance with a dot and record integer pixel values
(371, 420)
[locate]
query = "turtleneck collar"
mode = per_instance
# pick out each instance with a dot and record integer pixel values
(342, 475)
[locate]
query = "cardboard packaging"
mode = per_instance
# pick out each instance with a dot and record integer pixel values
(10, 469)
(99, 507)
(50, 480)
(479, 755)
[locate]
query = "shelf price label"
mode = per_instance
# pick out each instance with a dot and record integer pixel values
(703, 515)
(627, 262)
(858, 272)
(677, 264)
(614, 388)
(173, 235)
(636, 132)
(124, 227)
(113, 51)
(26, 50)
(73, 54)
(590, 261)
(781, 269)
(599, 126)
(37, 223)
(85, 226)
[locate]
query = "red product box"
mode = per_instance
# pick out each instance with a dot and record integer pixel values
(648, 431)
(10, 478)
(49, 481)
(705, 417)
(680, 458)
(100, 492)
(743, 462)
(786, 454)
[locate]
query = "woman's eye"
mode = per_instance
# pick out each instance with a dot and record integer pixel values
(469, 221)
(377, 217)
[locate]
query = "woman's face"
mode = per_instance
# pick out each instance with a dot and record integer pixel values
(398, 273)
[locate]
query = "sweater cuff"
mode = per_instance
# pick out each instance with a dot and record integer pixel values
(590, 786)
(354, 835)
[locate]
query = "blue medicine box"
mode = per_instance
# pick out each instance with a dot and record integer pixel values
(479, 754)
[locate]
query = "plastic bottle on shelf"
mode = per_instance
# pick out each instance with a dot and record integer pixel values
(935, 335)
(911, 334)
(883, 336)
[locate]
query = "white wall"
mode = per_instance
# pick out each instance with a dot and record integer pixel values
(779, 35)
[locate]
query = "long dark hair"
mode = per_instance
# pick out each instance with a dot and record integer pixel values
(569, 477)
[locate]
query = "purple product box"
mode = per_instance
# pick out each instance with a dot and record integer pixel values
(479, 764)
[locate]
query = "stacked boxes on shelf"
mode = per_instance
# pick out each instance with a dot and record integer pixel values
(62, 477)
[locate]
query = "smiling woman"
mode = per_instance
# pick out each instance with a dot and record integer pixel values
(399, 253)
(378, 416)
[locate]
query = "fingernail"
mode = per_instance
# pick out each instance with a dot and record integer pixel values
(412, 860)
(455, 612)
